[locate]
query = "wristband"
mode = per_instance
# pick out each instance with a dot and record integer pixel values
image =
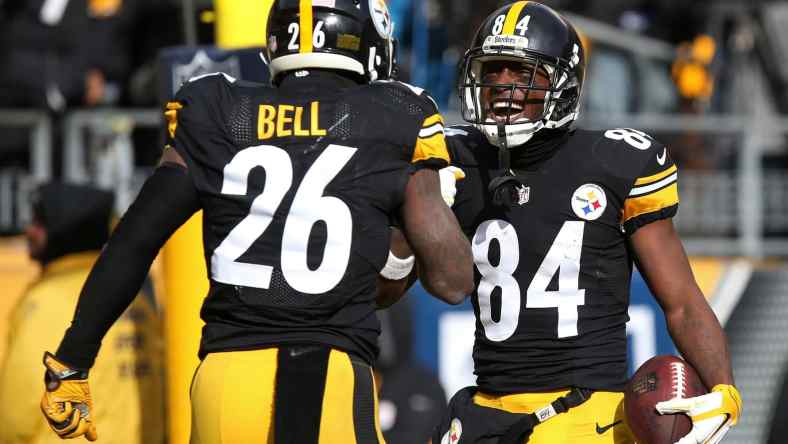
(396, 268)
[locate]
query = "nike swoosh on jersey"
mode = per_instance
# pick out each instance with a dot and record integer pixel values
(662, 158)
(601, 430)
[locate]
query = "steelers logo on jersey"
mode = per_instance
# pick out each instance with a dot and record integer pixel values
(381, 18)
(589, 202)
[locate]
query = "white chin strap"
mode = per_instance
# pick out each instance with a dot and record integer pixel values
(516, 134)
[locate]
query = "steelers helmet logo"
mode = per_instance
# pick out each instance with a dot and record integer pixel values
(589, 202)
(381, 18)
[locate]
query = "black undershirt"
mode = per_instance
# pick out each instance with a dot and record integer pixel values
(533, 154)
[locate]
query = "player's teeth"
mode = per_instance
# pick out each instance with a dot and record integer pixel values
(514, 106)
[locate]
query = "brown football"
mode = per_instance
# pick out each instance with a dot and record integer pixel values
(660, 378)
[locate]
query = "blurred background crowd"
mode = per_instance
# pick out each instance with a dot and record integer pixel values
(668, 56)
(81, 86)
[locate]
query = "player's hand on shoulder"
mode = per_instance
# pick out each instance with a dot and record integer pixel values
(712, 414)
(67, 404)
(449, 177)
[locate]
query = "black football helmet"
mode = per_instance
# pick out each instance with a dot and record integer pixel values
(542, 42)
(349, 35)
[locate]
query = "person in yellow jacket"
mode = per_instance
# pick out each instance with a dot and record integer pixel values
(70, 226)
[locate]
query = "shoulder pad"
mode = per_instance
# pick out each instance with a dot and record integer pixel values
(412, 94)
(200, 100)
(466, 131)
(635, 139)
(227, 77)
(204, 85)
(467, 145)
(626, 152)
(396, 83)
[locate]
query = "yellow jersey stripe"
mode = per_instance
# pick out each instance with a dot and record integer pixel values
(305, 12)
(431, 148)
(432, 120)
(638, 206)
(652, 187)
(511, 18)
(656, 177)
(431, 131)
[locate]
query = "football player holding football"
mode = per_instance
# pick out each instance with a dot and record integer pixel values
(557, 217)
(299, 182)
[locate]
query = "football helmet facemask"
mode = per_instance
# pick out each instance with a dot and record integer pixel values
(523, 72)
(348, 35)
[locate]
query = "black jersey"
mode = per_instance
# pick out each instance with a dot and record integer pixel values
(553, 271)
(298, 186)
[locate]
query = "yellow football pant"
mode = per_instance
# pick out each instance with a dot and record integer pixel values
(233, 400)
(588, 423)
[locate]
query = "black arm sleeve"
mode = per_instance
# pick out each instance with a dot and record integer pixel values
(166, 201)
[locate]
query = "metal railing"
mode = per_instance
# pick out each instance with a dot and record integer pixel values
(98, 148)
(726, 212)
(723, 212)
(16, 184)
(118, 121)
(748, 175)
(40, 125)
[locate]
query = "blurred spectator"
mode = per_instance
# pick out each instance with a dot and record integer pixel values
(663, 19)
(165, 17)
(412, 401)
(70, 226)
(691, 70)
(62, 53)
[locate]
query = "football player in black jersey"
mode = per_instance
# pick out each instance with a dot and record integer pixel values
(557, 217)
(298, 182)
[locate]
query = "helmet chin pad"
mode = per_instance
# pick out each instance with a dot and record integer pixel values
(517, 134)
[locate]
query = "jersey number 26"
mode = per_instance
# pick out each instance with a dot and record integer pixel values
(309, 207)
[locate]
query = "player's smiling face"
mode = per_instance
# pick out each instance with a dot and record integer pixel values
(520, 90)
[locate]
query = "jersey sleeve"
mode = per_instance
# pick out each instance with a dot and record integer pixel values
(196, 124)
(194, 115)
(654, 194)
(428, 149)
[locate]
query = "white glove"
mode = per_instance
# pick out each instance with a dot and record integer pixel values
(712, 414)
(449, 177)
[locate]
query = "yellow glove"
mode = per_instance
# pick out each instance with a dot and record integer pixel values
(66, 404)
(712, 414)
